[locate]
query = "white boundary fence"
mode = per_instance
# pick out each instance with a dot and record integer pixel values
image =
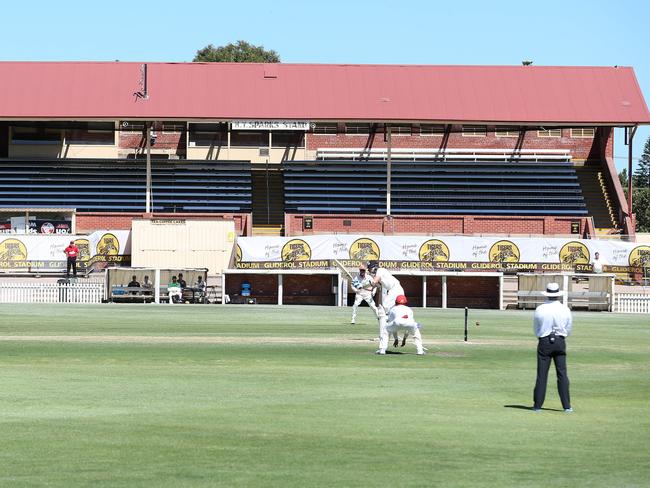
(51, 293)
(632, 303)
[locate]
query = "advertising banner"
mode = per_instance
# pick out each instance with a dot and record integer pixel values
(45, 252)
(448, 253)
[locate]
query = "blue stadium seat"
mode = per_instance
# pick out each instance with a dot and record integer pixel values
(119, 185)
(434, 187)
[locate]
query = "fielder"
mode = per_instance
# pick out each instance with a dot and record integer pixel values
(400, 319)
(362, 287)
(390, 290)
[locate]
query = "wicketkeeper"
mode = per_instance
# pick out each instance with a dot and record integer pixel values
(362, 287)
(400, 319)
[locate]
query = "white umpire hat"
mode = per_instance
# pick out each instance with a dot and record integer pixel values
(552, 290)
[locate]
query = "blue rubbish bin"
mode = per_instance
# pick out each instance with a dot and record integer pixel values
(245, 289)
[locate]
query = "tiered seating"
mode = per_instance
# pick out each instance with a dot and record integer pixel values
(434, 187)
(119, 185)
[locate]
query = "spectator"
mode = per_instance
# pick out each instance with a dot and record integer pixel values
(146, 284)
(597, 263)
(199, 284)
(552, 323)
(181, 281)
(71, 252)
(134, 282)
(174, 290)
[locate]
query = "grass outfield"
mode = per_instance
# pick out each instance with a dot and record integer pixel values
(259, 396)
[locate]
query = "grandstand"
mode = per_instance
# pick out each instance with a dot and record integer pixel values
(301, 150)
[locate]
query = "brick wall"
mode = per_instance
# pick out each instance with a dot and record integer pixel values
(87, 222)
(264, 288)
(425, 224)
(173, 143)
(581, 148)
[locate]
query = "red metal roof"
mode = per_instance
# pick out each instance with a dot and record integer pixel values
(498, 94)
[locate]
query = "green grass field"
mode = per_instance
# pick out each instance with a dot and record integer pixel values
(259, 396)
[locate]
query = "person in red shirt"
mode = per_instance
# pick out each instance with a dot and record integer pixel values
(71, 252)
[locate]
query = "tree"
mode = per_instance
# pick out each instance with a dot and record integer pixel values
(641, 205)
(642, 172)
(622, 177)
(240, 52)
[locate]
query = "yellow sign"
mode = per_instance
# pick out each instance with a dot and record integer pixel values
(504, 252)
(237, 254)
(108, 245)
(640, 256)
(574, 253)
(12, 250)
(84, 249)
(296, 250)
(364, 249)
(434, 250)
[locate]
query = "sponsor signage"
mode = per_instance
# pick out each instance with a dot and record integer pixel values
(42, 253)
(445, 253)
(270, 125)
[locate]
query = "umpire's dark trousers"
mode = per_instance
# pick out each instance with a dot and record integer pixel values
(557, 352)
(72, 265)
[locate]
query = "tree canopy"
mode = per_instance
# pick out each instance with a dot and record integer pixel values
(239, 52)
(642, 172)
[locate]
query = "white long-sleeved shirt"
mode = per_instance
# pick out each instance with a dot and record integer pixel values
(552, 316)
(386, 279)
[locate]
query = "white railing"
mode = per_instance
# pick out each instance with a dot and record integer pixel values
(632, 303)
(446, 153)
(51, 293)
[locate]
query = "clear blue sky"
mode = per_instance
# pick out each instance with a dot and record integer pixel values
(550, 32)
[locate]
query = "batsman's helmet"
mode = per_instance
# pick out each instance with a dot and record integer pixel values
(373, 265)
(401, 300)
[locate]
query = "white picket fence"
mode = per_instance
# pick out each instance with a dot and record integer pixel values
(51, 293)
(632, 303)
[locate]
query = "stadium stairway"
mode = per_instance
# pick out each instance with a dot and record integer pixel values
(268, 201)
(597, 198)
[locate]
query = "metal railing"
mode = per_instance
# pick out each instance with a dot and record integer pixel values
(446, 154)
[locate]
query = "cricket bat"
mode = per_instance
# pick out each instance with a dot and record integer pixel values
(340, 266)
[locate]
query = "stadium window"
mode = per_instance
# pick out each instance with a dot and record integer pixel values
(248, 138)
(92, 133)
(549, 133)
(354, 129)
(474, 131)
(38, 134)
(132, 126)
(208, 134)
(287, 138)
(583, 132)
(173, 127)
(329, 128)
(400, 129)
(506, 132)
(432, 130)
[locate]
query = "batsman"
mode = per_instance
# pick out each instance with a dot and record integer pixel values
(391, 288)
(364, 291)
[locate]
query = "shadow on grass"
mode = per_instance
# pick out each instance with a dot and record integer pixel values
(526, 407)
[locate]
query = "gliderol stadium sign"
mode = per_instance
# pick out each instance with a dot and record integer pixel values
(457, 253)
(45, 253)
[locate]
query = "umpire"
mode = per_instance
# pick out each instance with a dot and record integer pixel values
(552, 324)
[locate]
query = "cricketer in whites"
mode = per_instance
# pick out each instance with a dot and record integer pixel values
(364, 291)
